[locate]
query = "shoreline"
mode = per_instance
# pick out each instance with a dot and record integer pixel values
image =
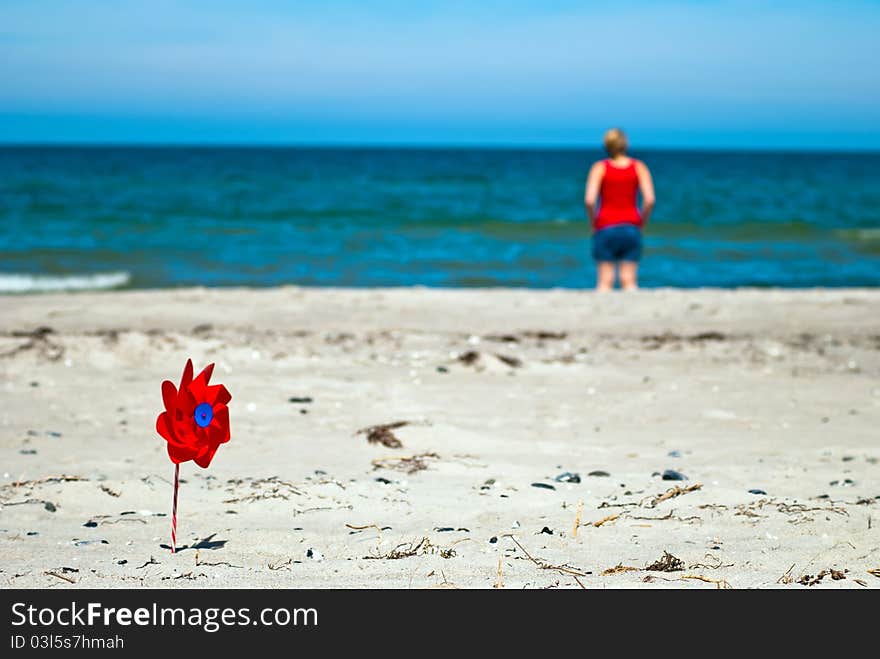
(96, 308)
(742, 391)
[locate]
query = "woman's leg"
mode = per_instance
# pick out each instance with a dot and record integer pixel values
(604, 276)
(629, 273)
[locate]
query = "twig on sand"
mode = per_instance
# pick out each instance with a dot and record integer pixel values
(565, 569)
(279, 565)
(673, 492)
(604, 520)
(670, 515)
(714, 565)
(220, 563)
(378, 528)
(48, 479)
(63, 577)
(628, 504)
(48, 505)
(875, 572)
(721, 584)
(786, 577)
(381, 434)
(364, 528)
(577, 519)
(136, 520)
(446, 584)
(498, 582)
(664, 517)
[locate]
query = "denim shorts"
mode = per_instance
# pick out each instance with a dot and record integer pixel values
(619, 242)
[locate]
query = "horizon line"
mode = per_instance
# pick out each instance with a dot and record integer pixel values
(427, 146)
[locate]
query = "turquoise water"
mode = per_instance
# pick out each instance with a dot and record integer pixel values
(156, 217)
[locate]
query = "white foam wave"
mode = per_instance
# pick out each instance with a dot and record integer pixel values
(867, 234)
(24, 283)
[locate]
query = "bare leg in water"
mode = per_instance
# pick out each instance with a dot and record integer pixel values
(604, 276)
(629, 275)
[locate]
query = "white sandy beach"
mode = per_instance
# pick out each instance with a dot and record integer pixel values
(773, 391)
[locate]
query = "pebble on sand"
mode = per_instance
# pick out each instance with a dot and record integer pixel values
(672, 475)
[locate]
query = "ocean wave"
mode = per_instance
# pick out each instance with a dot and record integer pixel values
(25, 283)
(866, 235)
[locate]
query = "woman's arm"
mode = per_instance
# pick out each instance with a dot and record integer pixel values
(591, 194)
(646, 187)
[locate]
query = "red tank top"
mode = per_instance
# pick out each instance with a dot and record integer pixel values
(618, 196)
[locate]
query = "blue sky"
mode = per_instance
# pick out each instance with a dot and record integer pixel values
(692, 74)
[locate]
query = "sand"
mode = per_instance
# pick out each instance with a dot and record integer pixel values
(776, 392)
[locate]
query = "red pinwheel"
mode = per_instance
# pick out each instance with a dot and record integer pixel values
(195, 422)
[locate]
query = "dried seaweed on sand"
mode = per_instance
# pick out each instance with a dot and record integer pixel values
(513, 362)
(382, 434)
(810, 580)
(39, 341)
(543, 335)
(673, 492)
(420, 547)
(666, 563)
(468, 358)
(409, 464)
(620, 568)
(261, 489)
(40, 481)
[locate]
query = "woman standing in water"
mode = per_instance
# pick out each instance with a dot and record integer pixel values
(617, 228)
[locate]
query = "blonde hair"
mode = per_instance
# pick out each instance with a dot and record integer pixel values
(615, 142)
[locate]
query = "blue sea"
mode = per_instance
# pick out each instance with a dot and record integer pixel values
(143, 217)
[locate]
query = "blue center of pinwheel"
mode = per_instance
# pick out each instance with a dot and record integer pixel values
(203, 414)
